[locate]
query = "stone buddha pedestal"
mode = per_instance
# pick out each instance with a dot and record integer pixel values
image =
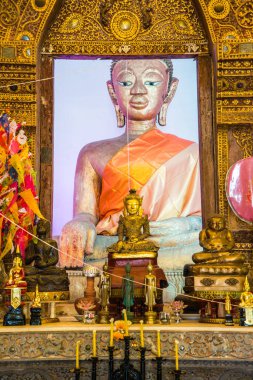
(139, 262)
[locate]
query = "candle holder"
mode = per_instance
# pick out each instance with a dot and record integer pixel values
(242, 316)
(159, 360)
(94, 360)
(111, 363)
(77, 372)
(143, 363)
(126, 370)
(177, 373)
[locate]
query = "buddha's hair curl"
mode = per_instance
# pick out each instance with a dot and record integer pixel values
(167, 62)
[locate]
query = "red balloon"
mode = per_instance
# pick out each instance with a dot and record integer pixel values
(239, 189)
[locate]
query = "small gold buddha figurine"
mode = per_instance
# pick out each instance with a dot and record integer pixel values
(133, 227)
(150, 295)
(17, 273)
(217, 242)
(150, 288)
(105, 288)
(228, 306)
(246, 297)
(37, 300)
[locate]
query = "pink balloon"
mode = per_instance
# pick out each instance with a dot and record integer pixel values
(239, 189)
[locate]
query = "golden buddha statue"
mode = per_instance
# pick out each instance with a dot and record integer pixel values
(17, 274)
(133, 228)
(246, 296)
(217, 242)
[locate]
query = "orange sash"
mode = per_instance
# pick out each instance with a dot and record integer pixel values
(134, 164)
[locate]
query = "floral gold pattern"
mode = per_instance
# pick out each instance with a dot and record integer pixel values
(218, 9)
(125, 25)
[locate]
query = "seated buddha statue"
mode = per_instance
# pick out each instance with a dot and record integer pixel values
(217, 242)
(141, 91)
(16, 275)
(246, 298)
(41, 259)
(133, 228)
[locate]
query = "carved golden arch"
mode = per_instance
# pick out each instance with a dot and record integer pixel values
(227, 37)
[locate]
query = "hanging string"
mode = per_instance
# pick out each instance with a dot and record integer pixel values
(127, 135)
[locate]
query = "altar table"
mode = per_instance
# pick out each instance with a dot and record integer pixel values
(206, 352)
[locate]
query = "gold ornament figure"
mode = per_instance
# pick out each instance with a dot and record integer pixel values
(246, 296)
(105, 288)
(228, 306)
(150, 288)
(217, 242)
(17, 274)
(36, 301)
(133, 228)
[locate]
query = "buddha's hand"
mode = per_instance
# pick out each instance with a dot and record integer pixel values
(119, 245)
(77, 239)
(134, 240)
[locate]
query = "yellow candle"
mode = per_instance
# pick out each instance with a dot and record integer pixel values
(176, 355)
(142, 334)
(126, 322)
(111, 332)
(158, 343)
(77, 354)
(94, 343)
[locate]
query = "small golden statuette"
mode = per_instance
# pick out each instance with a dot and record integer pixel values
(228, 316)
(150, 294)
(247, 303)
(36, 300)
(133, 230)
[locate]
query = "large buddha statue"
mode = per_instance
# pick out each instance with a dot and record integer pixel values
(217, 242)
(163, 168)
(133, 228)
(41, 259)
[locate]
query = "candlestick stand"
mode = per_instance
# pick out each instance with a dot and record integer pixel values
(111, 364)
(77, 372)
(143, 363)
(159, 360)
(94, 367)
(126, 370)
(177, 373)
(242, 316)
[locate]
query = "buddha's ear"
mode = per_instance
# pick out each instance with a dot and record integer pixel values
(167, 100)
(119, 115)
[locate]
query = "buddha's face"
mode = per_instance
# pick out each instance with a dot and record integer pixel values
(140, 87)
(17, 262)
(217, 223)
(132, 206)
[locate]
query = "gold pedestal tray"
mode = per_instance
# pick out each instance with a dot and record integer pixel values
(220, 321)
